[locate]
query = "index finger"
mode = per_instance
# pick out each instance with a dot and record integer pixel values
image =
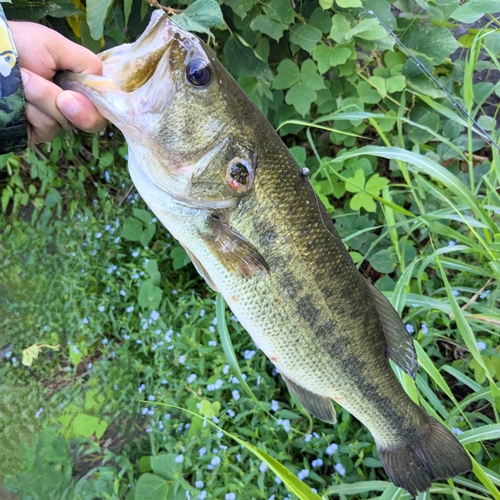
(44, 51)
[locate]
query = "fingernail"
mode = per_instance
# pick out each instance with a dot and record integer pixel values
(68, 104)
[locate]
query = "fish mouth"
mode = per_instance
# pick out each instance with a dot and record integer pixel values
(127, 68)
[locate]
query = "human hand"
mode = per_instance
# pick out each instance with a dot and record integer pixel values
(42, 52)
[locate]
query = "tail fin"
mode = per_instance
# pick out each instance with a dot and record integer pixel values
(435, 454)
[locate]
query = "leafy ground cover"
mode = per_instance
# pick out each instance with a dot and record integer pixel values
(121, 374)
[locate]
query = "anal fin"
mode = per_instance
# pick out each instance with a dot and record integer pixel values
(319, 406)
(233, 250)
(399, 344)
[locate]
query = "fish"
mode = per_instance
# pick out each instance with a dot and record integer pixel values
(220, 179)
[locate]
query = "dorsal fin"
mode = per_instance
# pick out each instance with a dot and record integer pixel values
(398, 342)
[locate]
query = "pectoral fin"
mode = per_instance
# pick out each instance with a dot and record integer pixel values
(235, 252)
(399, 344)
(318, 406)
(201, 270)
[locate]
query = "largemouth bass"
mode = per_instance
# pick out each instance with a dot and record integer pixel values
(217, 175)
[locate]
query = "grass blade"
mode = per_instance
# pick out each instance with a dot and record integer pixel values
(429, 167)
(293, 483)
(227, 345)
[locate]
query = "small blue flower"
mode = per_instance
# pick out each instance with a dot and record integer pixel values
(191, 378)
(129, 309)
(212, 343)
(303, 474)
(456, 431)
(278, 480)
(85, 321)
(236, 395)
(275, 406)
(340, 469)
(452, 243)
(424, 329)
(151, 397)
(179, 459)
(199, 484)
(164, 382)
(202, 313)
(215, 461)
(230, 496)
(123, 292)
(154, 315)
(39, 412)
(263, 467)
(225, 370)
(332, 449)
(410, 328)
(181, 359)
(104, 341)
(138, 341)
(202, 451)
(317, 463)
(248, 354)
(456, 293)
(481, 345)
(485, 294)
(144, 411)
(100, 309)
(202, 495)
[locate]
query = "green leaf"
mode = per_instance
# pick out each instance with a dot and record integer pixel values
(147, 234)
(165, 466)
(149, 295)
(396, 84)
(355, 183)
(436, 43)
(97, 12)
(143, 215)
(309, 75)
(349, 4)
(305, 36)
(127, 9)
(379, 84)
(473, 10)
(368, 29)
(375, 184)
(368, 94)
(180, 258)
(340, 28)
(300, 96)
(288, 75)
(328, 57)
(326, 4)
(243, 61)
(384, 261)
(271, 28)
(151, 487)
(280, 11)
(200, 16)
(87, 425)
(132, 229)
(241, 7)
(363, 200)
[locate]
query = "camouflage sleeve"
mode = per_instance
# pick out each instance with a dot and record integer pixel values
(13, 129)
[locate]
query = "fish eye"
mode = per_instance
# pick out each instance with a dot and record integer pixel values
(198, 73)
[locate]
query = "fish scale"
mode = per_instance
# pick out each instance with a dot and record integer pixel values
(218, 176)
